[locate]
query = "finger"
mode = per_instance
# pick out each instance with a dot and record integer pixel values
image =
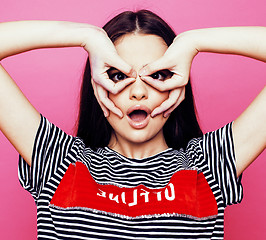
(111, 86)
(119, 86)
(168, 103)
(171, 109)
(160, 64)
(104, 109)
(104, 99)
(175, 81)
(117, 62)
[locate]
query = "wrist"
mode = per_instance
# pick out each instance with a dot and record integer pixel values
(93, 36)
(188, 42)
(75, 34)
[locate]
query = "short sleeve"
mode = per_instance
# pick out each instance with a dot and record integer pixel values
(50, 149)
(218, 148)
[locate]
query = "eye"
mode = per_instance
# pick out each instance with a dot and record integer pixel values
(116, 75)
(162, 75)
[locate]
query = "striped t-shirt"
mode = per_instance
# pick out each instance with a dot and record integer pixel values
(86, 194)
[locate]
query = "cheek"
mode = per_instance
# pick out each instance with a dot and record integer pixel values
(119, 102)
(117, 99)
(158, 97)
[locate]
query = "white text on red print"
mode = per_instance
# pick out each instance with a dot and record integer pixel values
(132, 198)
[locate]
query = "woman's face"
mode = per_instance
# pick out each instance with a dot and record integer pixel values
(139, 99)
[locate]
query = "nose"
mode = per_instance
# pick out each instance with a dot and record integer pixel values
(138, 90)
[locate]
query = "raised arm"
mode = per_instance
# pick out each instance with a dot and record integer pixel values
(249, 130)
(19, 120)
(246, 41)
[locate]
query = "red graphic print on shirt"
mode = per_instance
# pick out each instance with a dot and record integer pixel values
(186, 193)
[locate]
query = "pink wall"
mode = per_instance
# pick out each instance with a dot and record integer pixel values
(224, 86)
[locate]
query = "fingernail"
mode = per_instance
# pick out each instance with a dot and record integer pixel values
(134, 74)
(166, 115)
(120, 115)
(154, 114)
(142, 72)
(105, 114)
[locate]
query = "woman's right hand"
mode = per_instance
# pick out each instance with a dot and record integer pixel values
(103, 56)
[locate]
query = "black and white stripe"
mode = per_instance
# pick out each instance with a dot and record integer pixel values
(54, 151)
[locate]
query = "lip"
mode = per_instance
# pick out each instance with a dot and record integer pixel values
(142, 124)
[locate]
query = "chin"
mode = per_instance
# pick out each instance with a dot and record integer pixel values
(140, 136)
(139, 139)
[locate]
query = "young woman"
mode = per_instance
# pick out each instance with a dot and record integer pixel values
(140, 167)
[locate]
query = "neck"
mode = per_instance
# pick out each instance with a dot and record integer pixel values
(138, 150)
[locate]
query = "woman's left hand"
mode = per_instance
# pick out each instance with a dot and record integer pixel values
(177, 59)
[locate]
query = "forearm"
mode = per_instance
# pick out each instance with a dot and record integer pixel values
(246, 41)
(17, 37)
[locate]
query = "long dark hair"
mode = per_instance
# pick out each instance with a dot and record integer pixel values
(94, 128)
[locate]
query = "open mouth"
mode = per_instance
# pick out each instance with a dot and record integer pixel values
(138, 116)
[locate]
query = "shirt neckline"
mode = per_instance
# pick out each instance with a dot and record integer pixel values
(138, 160)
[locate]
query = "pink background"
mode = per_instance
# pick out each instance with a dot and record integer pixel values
(224, 86)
